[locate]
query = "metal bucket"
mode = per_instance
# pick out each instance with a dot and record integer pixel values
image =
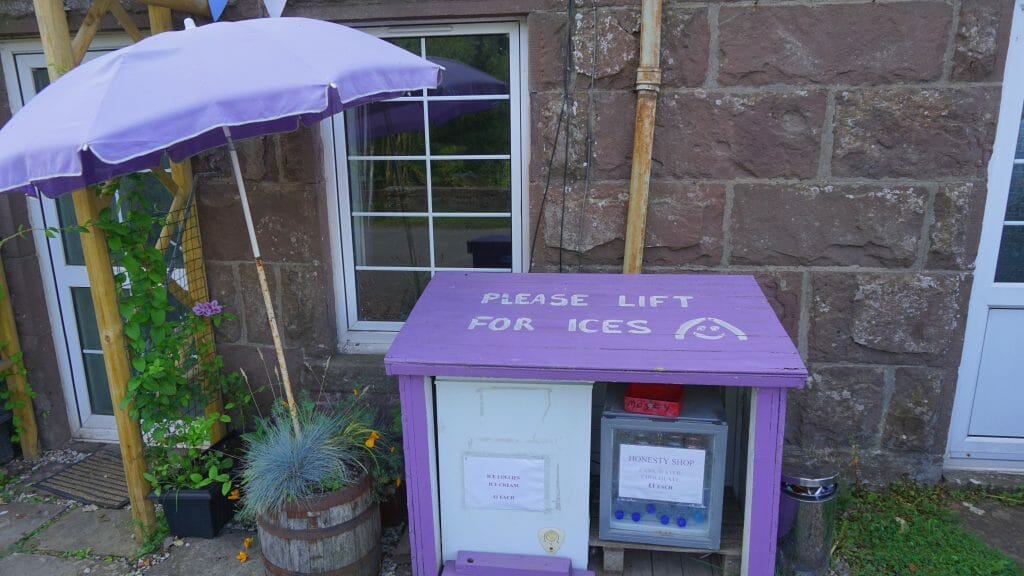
(807, 509)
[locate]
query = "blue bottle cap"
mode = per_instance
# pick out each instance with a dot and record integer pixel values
(651, 508)
(635, 516)
(619, 514)
(698, 517)
(664, 519)
(681, 522)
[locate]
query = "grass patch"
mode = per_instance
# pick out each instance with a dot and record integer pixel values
(154, 541)
(909, 529)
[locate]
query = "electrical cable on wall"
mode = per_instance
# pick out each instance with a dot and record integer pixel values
(568, 82)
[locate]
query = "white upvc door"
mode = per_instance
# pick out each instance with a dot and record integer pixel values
(987, 427)
(66, 283)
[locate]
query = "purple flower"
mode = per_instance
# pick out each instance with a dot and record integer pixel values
(211, 308)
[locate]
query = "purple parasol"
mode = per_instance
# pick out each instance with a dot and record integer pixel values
(179, 93)
(174, 93)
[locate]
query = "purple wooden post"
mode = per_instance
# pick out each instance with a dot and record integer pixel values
(763, 515)
(417, 434)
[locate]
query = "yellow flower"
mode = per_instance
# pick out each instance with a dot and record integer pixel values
(398, 482)
(392, 449)
(372, 440)
(355, 392)
(234, 494)
(247, 541)
(242, 556)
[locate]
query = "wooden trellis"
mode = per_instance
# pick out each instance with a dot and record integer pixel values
(63, 53)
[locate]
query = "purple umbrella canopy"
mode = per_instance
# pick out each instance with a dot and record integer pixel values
(174, 93)
(179, 93)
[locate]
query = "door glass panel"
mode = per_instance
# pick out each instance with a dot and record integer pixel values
(71, 240)
(92, 355)
(40, 78)
(1010, 263)
(1015, 203)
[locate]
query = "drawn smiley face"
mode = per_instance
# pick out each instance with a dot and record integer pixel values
(706, 331)
(708, 328)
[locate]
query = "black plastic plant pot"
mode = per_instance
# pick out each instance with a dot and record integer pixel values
(195, 513)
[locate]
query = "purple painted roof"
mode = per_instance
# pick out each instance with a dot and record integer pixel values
(703, 329)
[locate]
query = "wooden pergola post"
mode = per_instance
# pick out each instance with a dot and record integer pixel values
(56, 39)
(28, 436)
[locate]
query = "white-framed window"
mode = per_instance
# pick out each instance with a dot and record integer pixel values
(432, 181)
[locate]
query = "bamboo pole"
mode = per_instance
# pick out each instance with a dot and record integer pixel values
(87, 31)
(200, 7)
(28, 436)
(53, 28)
(648, 80)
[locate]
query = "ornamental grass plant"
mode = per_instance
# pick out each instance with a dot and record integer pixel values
(335, 446)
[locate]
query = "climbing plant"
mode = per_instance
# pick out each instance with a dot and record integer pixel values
(176, 372)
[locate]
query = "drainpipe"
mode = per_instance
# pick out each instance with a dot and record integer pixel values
(648, 80)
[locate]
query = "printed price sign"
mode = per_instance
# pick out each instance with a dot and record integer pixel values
(504, 483)
(659, 473)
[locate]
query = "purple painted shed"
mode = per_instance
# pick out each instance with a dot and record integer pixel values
(684, 329)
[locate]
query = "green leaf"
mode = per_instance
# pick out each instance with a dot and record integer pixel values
(132, 331)
(114, 243)
(139, 364)
(195, 477)
(158, 316)
(225, 488)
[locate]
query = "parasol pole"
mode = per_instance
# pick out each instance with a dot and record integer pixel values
(264, 287)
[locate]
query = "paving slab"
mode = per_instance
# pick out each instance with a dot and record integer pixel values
(39, 565)
(17, 519)
(999, 526)
(103, 532)
(215, 556)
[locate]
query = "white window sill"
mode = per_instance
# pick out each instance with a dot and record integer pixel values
(366, 342)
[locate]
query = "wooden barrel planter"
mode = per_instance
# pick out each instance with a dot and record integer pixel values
(336, 534)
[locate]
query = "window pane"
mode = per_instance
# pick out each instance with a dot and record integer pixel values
(475, 132)
(388, 296)
(391, 241)
(72, 240)
(473, 64)
(388, 185)
(89, 337)
(1020, 139)
(96, 381)
(88, 332)
(471, 185)
(1015, 203)
(1010, 264)
(40, 79)
(473, 242)
(410, 44)
(386, 129)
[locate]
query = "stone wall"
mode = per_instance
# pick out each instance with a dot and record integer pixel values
(834, 149)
